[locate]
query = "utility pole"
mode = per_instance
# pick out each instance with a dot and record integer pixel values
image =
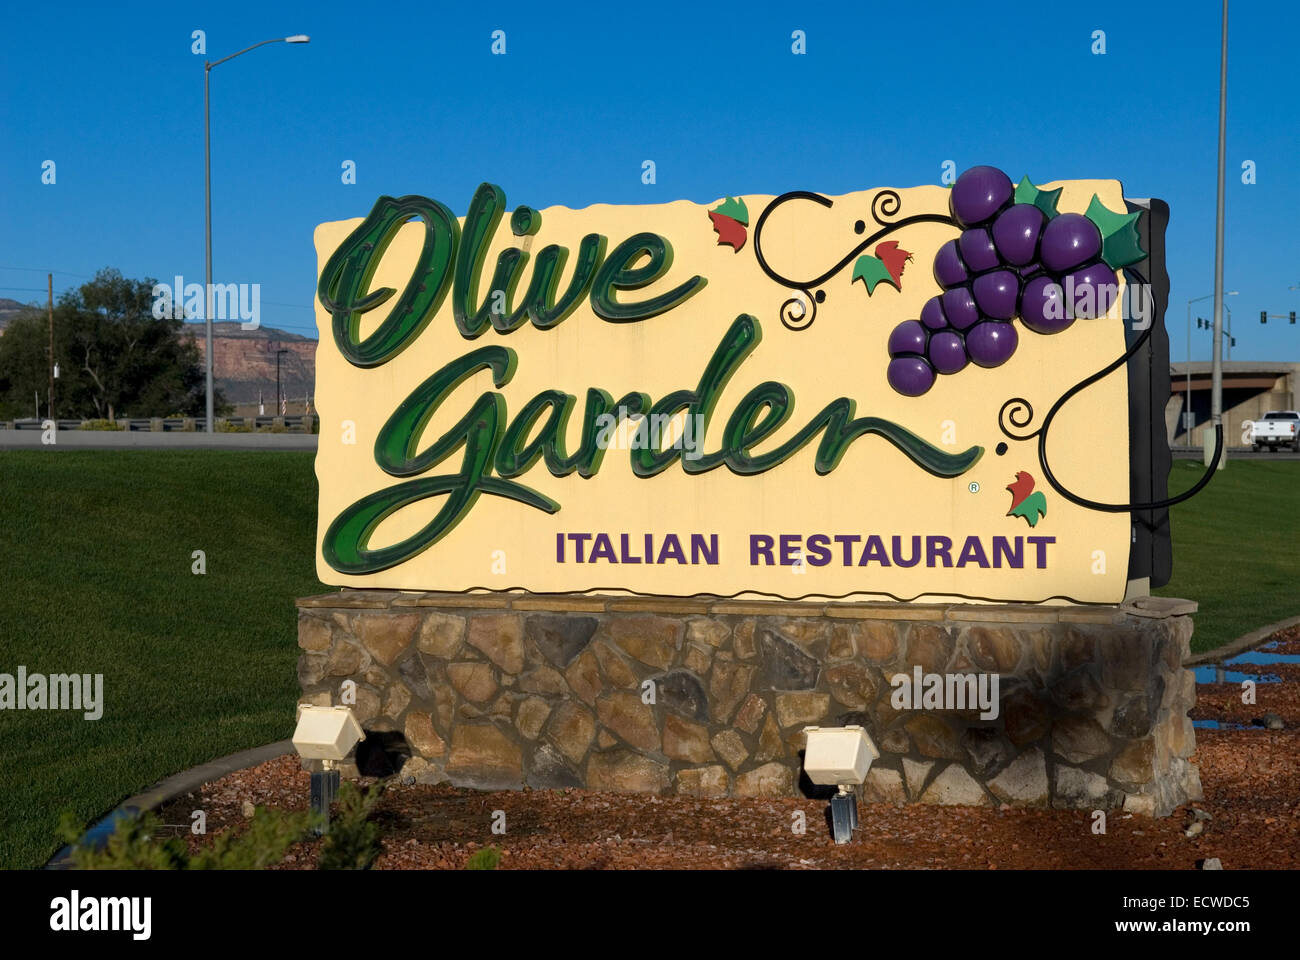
(50, 278)
(278, 354)
(1216, 398)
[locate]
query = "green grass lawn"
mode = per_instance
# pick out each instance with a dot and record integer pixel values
(1235, 547)
(97, 579)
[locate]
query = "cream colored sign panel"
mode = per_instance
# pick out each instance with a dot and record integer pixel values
(743, 398)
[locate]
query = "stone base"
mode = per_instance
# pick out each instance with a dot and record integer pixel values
(710, 698)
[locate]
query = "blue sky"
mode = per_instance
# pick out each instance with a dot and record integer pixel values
(413, 95)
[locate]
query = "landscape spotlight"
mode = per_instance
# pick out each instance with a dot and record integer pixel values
(839, 757)
(324, 736)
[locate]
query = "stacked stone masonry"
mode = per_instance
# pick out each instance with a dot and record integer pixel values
(506, 690)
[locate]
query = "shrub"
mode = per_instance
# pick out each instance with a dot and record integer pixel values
(352, 843)
(485, 859)
(353, 840)
(132, 845)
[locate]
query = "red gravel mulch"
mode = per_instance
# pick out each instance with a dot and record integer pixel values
(1251, 780)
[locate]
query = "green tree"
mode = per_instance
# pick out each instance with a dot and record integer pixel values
(115, 357)
(24, 365)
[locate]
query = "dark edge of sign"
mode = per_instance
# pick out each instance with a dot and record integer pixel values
(930, 598)
(1151, 554)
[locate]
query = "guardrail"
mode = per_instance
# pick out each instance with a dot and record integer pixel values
(293, 423)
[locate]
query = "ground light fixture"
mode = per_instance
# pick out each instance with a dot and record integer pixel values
(323, 737)
(839, 757)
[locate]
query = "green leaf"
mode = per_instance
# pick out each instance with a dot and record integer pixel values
(1031, 508)
(735, 209)
(871, 271)
(1120, 244)
(1044, 200)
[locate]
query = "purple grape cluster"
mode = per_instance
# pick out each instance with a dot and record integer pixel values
(1010, 261)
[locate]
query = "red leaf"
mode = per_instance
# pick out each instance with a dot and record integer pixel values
(731, 232)
(893, 259)
(1020, 488)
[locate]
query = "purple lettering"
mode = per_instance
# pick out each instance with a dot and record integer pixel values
(789, 547)
(848, 540)
(602, 549)
(874, 550)
(936, 547)
(819, 553)
(700, 547)
(1002, 548)
(1041, 544)
(916, 552)
(671, 550)
(578, 540)
(972, 551)
(625, 554)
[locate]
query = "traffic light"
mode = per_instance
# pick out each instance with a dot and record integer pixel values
(1292, 316)
(1263, 316)
(1234, 341)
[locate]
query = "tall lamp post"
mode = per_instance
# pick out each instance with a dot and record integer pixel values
(207, 202)
(1187, 419)
(1216, 368)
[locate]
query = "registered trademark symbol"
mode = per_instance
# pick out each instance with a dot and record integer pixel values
(974, 487)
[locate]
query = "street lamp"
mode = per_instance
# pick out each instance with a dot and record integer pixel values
(207, 202)
(1216, 363)
(1187, 418)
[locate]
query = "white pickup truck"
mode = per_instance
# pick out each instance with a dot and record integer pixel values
(1278, 428)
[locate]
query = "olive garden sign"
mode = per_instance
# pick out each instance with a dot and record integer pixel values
(935, 393)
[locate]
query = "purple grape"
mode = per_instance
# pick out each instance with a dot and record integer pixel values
(959, 307)
(932, 314)
(991, 344)
(1016, 232)
(947, 352)
(978, 194)
(949, 270)
(908, 337)
(1091, 291)
(1069, 240)
(997, 294)
(1042, 306)
(910, 376)
(977, 250)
